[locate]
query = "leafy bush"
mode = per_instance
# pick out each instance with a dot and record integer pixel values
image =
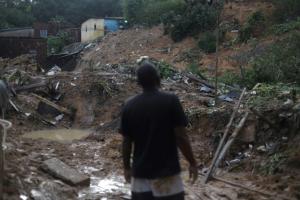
(254, 24)
(280, 63)
(273, 164)
(197, 18)
(280, 29)
(149, 12)
(57, 43)
(194, 69)
(14, 17)
(230, 78)
(165, 69)
(208, 42)
(286, 10)
(154, 10)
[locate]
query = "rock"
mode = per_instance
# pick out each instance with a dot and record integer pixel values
(296, 108)
(262, 149)
(54, 70)
(288, 104)
(62, 171)
(206, 89)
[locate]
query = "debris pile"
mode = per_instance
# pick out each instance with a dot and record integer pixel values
(259, 136)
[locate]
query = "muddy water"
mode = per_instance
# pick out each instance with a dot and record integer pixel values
(107, 188)
(58, 135)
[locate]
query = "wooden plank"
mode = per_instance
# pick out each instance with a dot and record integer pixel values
(195, 79)
(221, 144)
(60, 170)
(231, 139)
(1, 166)
(30, 87)
(57, 107)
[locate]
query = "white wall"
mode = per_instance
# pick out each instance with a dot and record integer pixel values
(92, 29)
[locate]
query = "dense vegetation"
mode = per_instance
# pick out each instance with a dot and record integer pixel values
(279, 63)
(20, 13)
(180, 18)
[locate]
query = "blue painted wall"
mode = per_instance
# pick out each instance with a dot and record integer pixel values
(111, 25)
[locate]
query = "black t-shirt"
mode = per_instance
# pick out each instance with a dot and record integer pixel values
(149, 120)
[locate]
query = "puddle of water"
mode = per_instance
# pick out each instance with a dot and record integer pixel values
(58, 135)
(104, 188)
(88, 170)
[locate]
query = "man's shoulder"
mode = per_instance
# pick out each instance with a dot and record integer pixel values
(168, 95)
(131, 99)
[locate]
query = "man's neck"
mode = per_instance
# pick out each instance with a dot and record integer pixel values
(146, 90)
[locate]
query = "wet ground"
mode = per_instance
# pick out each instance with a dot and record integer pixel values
(59, 135)
(102, 162)
(89, 143)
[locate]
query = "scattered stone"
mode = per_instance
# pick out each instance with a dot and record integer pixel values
(52, 191)
(297, 107)
(262, 149)
(59, 117)
(288, 104)
(62, 171)
(54, 70)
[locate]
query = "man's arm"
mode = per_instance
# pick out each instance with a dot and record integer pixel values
(126, 153)
(184, 145)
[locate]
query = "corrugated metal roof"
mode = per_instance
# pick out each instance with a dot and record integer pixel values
(15, 29)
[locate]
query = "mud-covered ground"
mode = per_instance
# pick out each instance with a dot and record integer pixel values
(98, 97)
(96, 90)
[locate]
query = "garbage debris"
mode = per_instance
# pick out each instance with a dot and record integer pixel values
(59, 117)
(206, 89)
(226, 98)
(54, 70)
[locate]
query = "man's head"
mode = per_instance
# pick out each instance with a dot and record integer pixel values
(148, 76)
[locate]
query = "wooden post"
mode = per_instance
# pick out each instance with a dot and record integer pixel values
(217, 59)
(1, 166)
(231, 139)
(212, 167)
(5, 125)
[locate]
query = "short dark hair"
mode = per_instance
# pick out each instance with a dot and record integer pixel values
(148, 77)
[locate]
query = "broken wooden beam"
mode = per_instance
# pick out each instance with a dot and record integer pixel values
(195, 79)
(231, 139)
(60, 170)
(239, 185)
(43, 119)
(243, 187)
(221, 144)
(14, 105)
(57, 107)
(1, 167)
(30, 87)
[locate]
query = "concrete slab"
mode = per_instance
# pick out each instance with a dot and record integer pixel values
(60, 170)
